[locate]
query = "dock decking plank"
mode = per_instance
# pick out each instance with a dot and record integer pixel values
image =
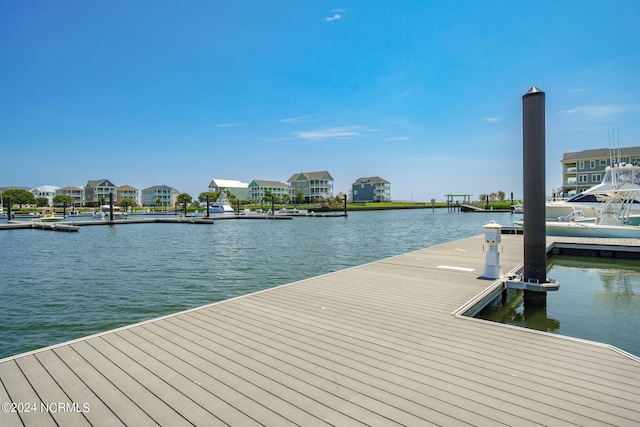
(373, 344)
(51, 395)
(76, 390)
(22, 394)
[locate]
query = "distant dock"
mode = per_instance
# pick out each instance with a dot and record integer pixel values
(377, 344)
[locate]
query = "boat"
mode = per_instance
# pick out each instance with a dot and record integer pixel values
(517, 208)
(105, 210)
(622, 176)
(47, 216)
(221, 205)
(613, 220)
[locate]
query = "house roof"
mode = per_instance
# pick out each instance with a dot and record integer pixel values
(262, 183)
(227, 183)
(371, 180)
(45, 189)
(600, 153)
(127, 188)
(157, 187)
(100, 183)
(69, 188)
(311, 176)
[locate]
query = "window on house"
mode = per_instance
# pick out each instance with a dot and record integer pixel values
(603, 162)
(580, 165)
(596, 177)
(592, 164)
(583, 178)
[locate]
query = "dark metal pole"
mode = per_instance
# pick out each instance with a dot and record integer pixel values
(533, 150)
(111, 207)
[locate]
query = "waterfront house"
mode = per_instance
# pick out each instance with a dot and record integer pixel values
(45, 191)
(258, 187)
(237, 188)
(127, 192)
(584, 169)
(159, 195)
(371, 189)
(76, 192)
(312, 184)
(97, 188)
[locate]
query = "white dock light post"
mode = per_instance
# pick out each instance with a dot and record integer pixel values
(492, 237)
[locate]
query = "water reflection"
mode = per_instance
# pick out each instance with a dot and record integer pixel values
(514, 312)
(598, 300)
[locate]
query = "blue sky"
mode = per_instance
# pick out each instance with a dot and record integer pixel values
(426, 94)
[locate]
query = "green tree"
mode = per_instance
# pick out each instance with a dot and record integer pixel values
(501, 195)
(102, 200)
(184, 199)
(158, 201)
(127, 203)
(19, 197)
(299, 197)
(213, 196)
(42, 202)
(62, 198)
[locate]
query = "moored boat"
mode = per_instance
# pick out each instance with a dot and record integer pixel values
(620, 177)
(221, 206)
(47, 216)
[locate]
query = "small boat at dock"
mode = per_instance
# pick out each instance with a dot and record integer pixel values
(47, 216)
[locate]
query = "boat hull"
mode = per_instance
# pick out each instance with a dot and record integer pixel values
(583, 229)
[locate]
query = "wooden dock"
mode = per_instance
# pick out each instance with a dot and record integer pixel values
(376, 344)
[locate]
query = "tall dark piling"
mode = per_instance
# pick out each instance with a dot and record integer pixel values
(9, 216)
(533, 150)
(207, 209)
(111, 216)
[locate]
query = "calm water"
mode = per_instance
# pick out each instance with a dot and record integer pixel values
(60, 286)
(598, 300)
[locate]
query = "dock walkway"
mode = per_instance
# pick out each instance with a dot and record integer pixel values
(372, 345)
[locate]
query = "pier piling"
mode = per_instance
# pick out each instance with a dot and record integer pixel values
(533, 164)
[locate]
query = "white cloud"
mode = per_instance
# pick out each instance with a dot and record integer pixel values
(493, 119)
(299, 119)
(227, 125)
(398, 138)
(337, 14)
(337, 132)
(602, 110)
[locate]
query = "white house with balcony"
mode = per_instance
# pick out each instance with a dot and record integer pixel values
(76, 192)
(258, 189)
(314, 185)
(159, 195)
(45, 191)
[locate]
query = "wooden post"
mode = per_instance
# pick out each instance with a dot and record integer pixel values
(8, 208)
(207, 206)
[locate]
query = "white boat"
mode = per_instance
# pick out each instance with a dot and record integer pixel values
(611, 222)
(47, 216)
(105, 210)
(221, 206)
(618, 177)
(517, 208)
